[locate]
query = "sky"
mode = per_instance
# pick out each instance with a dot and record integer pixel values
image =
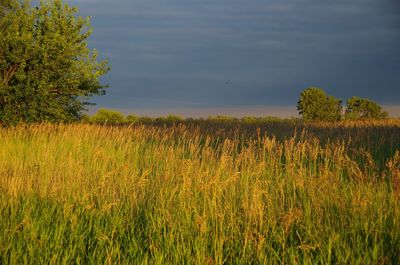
(243, 57)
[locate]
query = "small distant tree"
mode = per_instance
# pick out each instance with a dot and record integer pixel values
(110, 117)
(174, 118)
(362, 108)
(315, 105)
(132, 119)
(250, 120)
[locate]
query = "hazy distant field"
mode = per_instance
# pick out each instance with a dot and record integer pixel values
(200, 194)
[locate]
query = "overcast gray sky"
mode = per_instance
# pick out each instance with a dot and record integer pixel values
(193, 56)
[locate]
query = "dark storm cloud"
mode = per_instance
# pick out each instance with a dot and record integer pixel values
(244, 53)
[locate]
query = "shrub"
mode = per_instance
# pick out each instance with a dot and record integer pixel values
(105, 116)
(132, 119)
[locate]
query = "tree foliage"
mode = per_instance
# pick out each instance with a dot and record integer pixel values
(315, 105)
(132, 119)
(47, 71)
(362, 108)
(110, 117)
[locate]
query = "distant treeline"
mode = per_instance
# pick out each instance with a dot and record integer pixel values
(113, 117)
(314, 105)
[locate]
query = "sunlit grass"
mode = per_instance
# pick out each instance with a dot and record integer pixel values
(147, 194)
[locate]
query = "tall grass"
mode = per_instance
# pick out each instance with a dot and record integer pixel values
(153, 195)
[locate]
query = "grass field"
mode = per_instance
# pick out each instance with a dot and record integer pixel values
(200, 194)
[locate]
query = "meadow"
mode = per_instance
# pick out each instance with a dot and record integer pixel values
(201, 192)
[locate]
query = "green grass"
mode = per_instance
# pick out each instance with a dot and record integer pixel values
(188, 195)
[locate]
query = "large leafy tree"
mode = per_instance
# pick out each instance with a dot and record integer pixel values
(315, 105)
(362, 108)
(47, 71)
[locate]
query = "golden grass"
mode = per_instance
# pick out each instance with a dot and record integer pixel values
(170, 195)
